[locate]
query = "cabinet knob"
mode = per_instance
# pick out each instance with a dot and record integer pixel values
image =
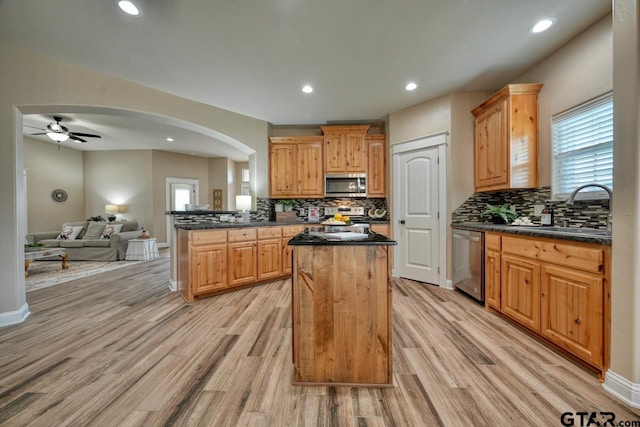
(578, 321)
(402, 221)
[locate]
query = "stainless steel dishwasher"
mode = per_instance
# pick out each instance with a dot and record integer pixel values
(468, 262)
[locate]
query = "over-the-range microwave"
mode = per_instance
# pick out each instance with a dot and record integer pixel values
(345, 185)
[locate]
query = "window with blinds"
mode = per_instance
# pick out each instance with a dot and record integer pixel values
(582, 140)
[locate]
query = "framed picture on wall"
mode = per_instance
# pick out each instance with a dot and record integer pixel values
(217, 199)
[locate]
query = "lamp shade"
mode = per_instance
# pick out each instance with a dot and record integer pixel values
(59, 137)
(111, 209)
(243, 203)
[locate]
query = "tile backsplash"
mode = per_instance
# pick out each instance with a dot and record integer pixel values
(587, 213)
(266, 207)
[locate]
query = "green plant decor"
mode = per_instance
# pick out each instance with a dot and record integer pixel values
(97, 218)
(287, 202)
(502, 212)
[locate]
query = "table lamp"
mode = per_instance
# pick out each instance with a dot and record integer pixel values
(111, 211)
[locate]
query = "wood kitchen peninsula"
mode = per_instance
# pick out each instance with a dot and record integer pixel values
(341, 309)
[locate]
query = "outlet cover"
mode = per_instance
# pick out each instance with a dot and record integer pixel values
(537, 209)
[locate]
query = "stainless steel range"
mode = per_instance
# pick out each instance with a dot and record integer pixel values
(355, 213)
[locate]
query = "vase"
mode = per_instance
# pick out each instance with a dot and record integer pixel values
(498, 220)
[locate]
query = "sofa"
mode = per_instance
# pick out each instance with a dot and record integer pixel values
(90, 246)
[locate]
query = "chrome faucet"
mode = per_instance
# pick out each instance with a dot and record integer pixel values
(571, 198)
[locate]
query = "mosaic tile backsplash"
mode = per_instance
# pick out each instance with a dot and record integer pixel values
(586, 213)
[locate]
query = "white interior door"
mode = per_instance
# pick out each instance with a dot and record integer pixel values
(181, 195)
(417, 215)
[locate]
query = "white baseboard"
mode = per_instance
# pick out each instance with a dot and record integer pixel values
(13, 317)
(448, 284)
(622, 388)
(173, 285)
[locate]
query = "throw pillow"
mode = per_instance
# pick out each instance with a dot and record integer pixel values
(69, 233)
(110, 229)
(94, 231)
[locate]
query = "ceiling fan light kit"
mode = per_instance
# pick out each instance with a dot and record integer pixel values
(60, 133)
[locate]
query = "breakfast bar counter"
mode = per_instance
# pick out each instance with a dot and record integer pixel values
(341, 306)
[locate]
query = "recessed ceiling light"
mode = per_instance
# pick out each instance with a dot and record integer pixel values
(543, 25)
(307, 89)
(170, 139)
(129, 7)
(411, 86)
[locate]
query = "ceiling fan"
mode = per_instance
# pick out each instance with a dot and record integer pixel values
(60, 133)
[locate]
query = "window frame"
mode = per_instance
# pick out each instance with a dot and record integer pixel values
(596, 193)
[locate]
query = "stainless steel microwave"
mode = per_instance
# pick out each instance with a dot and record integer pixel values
(345, 185)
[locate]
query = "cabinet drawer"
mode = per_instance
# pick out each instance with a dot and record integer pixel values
(242, 235)
(269, 233)
(492, 241)
(207, 237)
(566, 254)
(291, 230)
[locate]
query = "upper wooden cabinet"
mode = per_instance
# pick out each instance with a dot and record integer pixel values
(296, 167)
(506, 139)
(376, 165)
(345, 148)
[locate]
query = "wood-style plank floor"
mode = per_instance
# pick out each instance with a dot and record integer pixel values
(119, 349)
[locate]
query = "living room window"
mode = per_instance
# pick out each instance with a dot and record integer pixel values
(582, 140)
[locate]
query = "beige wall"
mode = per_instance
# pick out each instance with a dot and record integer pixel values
(47, 169)
(122, 178)
(174, 165)
(218, 180)
(580, 70)
(625, 279)
(31, 83)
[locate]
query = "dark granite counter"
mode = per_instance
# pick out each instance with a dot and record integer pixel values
(588, 235)
(212, 225)
(373, 239)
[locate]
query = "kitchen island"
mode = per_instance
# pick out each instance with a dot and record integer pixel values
(341, 308)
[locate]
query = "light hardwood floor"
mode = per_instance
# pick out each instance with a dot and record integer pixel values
(119, 349)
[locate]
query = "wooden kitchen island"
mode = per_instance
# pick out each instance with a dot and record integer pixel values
(341, 307)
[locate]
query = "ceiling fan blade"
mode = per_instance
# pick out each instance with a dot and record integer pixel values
(86, 135)
(33, 127)
(75, 138)
(39, 133)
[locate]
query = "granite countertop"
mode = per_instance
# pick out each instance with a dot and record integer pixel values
(205, 225)
(589, 235)
(373, 239)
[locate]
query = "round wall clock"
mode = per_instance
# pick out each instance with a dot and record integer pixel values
(59, 195)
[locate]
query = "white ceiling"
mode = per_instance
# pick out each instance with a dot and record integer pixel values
(253, 56)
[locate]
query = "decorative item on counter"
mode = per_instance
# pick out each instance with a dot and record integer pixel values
(499, 214)
(144, 234)
(523, 220)
(546, 218)
(288, 204)
(376, 213)
(314, 214)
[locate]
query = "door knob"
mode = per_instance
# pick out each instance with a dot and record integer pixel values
(402, 221)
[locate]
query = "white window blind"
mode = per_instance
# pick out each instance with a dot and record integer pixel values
(582, 140)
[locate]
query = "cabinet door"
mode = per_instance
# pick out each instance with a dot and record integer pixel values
(310, 172)
(520, 289)
(383, 229)
(335, 152)
(492, 279)
(287, 251)
(376, 164)
(491, 147)
(242, 263)
(269, 258)
(356, 153)
(208, 269)
(572, 311)
(282, 158)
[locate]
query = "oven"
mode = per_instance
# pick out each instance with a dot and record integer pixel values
(468, 262)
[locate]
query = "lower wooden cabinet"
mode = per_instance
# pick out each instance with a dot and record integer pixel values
(214, 261)
(572, 312)
(209, 269)
(521, 290)
(556, 288)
